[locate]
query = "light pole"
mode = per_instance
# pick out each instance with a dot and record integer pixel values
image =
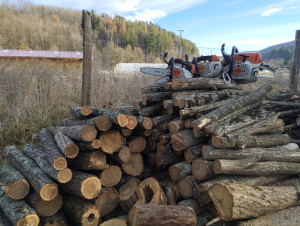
(180, 42)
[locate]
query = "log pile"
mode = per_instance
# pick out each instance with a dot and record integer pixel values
(191, 152)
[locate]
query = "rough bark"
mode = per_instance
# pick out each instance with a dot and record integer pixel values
(246, 167)
(18, 211)
(111, 141)
(38, 155)
(193, 204)
(14, 183)
(171, 191)
(107, 200)
(81, 112)
(166, 159)
(95, 160)
(57, 219)
(80, 211)
(162, 118)
(127, 110)
(53, 154)
(111, 176)
(168, 104)
(192, 153)
(167, 215)
(202, 170)
(127, 195)
(66, 145)
(237, 201)
(85, 133)
(154, 88)
(151, 98)
(180, 170)
(137, 144)
(37, 178)
(155, 133)
(4, 221)
(152, 110)
(44, 208)
(114, 222)
(161, 149)
(135, 165)
(82, 184)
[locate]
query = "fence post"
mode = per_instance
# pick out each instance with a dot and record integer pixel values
(87, 58)
(294, 68)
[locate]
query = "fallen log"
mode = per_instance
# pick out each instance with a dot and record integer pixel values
(132, 122)
(37, 178)
(167, 215)
(166, 159)
(127, 110)
(126, 132)
(38, 155)
(94, 160)
(14, 183)
(244, 201)
(192, 203)
(111, 141)
(180, 170)
(124, 155)
(171, 191)
(116, 118)
(162, 118)
(80, 211)
(66, 145)
(111, 176)
(18, 211)
(107, 200)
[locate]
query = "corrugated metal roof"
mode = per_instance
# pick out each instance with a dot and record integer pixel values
(41, 54)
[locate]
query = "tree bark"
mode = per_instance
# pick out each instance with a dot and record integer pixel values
(165, 138)
(18, 211)
(127, 110)
(154, 88)
(111, 176)
(15, 185)
(171, 191)
(89, 146)
(135, 165)
(37, 178)
(192, 203)
(167, 215)
(161, 119)
(38, 155)
(166, 159)
(137, 144)
(192, 153)
(80, 211)
(53, 154)
(44, 208)
(82, 184)
(152, 98)
(111, 141)
(107, 200)
(4, 221)
(127, 195)
(237, 201)
(66, 145)
(95, 160)
(152, 110)
(85, 133)
(180, 170)
(202, 170)
(81, 112)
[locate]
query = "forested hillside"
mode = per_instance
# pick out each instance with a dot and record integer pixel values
(28, 26)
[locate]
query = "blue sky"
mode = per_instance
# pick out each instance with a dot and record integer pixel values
(248, 24)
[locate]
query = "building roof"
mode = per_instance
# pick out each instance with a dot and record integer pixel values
(41, 54)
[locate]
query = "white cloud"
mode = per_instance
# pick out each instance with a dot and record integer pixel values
(270, 11)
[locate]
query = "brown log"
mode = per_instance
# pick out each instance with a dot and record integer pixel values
(154, 88)
(238, 103)
(18, 211)
(249, 141)
(149, 191)
(185, 139)
(74, 122)
(202, 170)
(14, 183)
(114, 222)
(80, 211)
(81, 133)
(115, 117)
(180, 170)
(166, 159)
(167, 215)
(124, 154)
(53, 154)
(192, 203)
(192, 153)
(144, 122)
(256, 200)
(161, 119)
(37, 178)
(165, 138)
(95, 160)
(152, 98)
(176, 126)
(245, 167)
(163, 149)
(135, 165)
(127, 195)
(152, 110)
(156, 133)
(137, 105)
(81, 112)
(127, 110)
(111, 176)
(44, 208)
(132, 122)
(137, 144)
(107, 200)
(151, 143)
(38, 155)
(66, 145)
(278, 153)
(186, 187)
(171, 191)
(82, 184)
(111, 141)
(168, 104)
(103, 123)
(89, 146)
(126, 132)
(57, 219)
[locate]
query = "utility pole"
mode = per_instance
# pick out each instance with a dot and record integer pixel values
(180, 42)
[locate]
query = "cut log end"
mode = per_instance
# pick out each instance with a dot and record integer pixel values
(122, 120)
(185, 187)
(125, 154)
(216, 142)
(135, 165)
(217, 166)
(174, 173)
(90, 217)
(64, 175)
(48, 192)
(103, 123)
(71, 151)
(132, 122)
(31, 219)
(17, 190)
(111, 176)
(86, 110)
(147, 123)
(188, 155)
(88, 133)
(49, 208)
(96, 144)
(90, 187)
(198, 169)
(60, 163)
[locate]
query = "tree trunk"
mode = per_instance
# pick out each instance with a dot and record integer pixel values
(149, 191)
(202, 170)
(163, 149)
(167, 215)
(137, 144)
(111, 141)
(95, 160)
(14, 183)
(192, 153)
(135, 165)
(127, 195)
(66, 145)
(18, 211)
(180, 170)
(152, 98)
(107, 200)
(37, 178)
(80, 211)
(57, 219)
(85, 133)
(38, 155)
(237, 201)
(82, 184)
(126, 132)
(244, 167)
(54, 156)
(111, 176)
(238, 103)
(44, 208)
(168, 104)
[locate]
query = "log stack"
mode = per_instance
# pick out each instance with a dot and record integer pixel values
(187, 153)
